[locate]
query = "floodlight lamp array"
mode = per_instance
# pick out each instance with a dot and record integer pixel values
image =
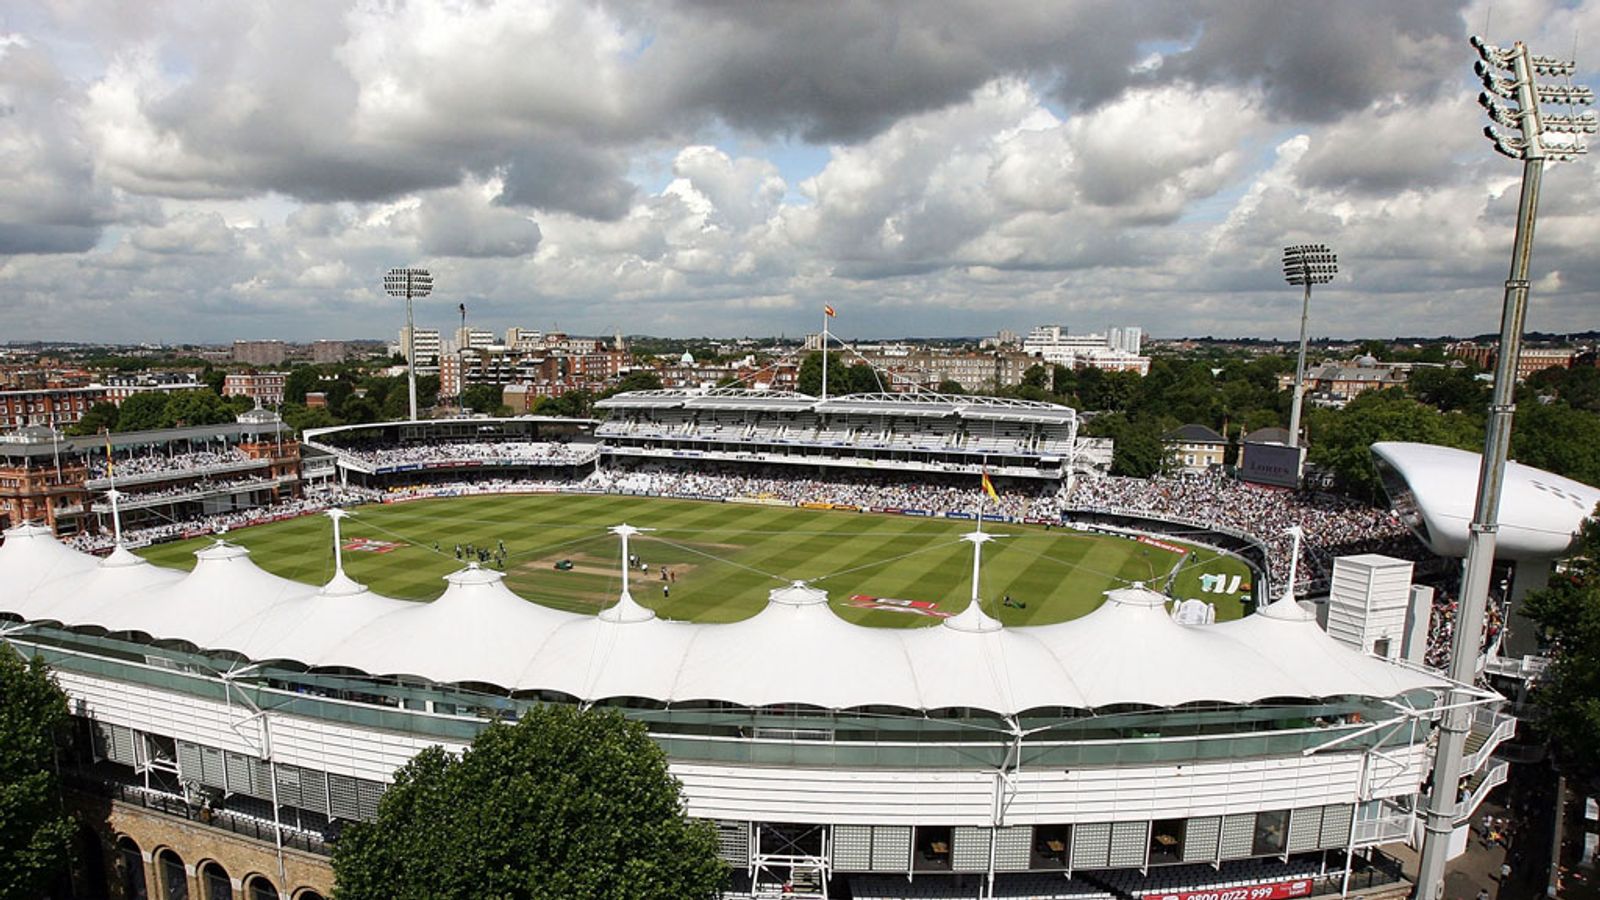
(408, 282)
(1305, 264)
(1513, 102)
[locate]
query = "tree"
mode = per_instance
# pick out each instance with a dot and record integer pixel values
(950, 386)
(300, 382)
(637, 380)
(1340, 440)
(1558, 438)
(1137, 450)
(564, 803)
(196, 407)
(142, 412)
(1449, 388)
(484, 398)
(101, 416)
(35, 832)
(1568, 696)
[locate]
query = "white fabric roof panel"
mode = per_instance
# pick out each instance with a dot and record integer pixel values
(224, 588)
(31, 558)
(795, 651)
(94, 596)
(476, 631)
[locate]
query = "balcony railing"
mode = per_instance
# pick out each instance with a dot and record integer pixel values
(174, 805)
(243, 465)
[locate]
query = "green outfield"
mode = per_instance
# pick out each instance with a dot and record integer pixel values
(725, 557)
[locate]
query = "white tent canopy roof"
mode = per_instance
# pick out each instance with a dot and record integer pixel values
(795, 651)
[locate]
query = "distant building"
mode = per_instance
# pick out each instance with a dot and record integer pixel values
(524, 339)
(327, 352)
(1194, 449)
(57, 407)
(1335, 384)
(426, 345)
(1056, 346)
(1529, 361)
(473, 339)
(266, 388)
(984, 370)
(1128, 339)
(260, 353)
(120, 387)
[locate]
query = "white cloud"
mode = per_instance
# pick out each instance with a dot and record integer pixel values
(202, 172)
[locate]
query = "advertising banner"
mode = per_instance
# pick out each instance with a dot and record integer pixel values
(1279, 890)
(1271, 464)
(1157, 542)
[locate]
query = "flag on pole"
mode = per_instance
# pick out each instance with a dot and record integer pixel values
(988, 488)
(828, 311)
(110, 472)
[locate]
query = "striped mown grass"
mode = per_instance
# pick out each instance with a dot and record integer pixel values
(725, 557)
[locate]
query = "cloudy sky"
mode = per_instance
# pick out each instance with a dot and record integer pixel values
(194, 171)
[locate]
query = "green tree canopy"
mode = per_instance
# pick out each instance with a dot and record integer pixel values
(97, 417)
(565, 803)
(1340, 440)
(1568, 696)
(142, 412)
(35, 833)
(1558, 438)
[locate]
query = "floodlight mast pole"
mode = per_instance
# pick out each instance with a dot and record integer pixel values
(411, 354)
(1305, 264)
(1521, 89)
(409, 283)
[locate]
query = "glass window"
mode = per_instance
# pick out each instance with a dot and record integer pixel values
(1271, 834)
(214, 880)
(131, 861)
(259, 888)
(174, 880)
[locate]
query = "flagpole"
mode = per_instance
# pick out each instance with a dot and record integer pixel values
(824, 353)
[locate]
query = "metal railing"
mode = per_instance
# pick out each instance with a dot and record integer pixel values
(1501, 727)
(1495, 777)
(175, 474)
(174, 805)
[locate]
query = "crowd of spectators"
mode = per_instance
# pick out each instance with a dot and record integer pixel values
(515, 452)
(316, 499)
(1332, 526)
(845, 488)
(1442, 623)
(163, 463)
(194, 488)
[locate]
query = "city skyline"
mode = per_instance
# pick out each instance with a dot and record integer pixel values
(189, 174)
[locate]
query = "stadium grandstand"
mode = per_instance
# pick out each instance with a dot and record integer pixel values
(1133, 752)
(917, 432)
(1122, 754)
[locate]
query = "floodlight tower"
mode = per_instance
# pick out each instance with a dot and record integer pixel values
(1512, 100)
(409, 283)
(1305, 265)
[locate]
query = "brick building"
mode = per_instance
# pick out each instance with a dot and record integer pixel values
(1529, 361)
(51, 406)
(266, 388)
(41, 480)
(260, 353)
